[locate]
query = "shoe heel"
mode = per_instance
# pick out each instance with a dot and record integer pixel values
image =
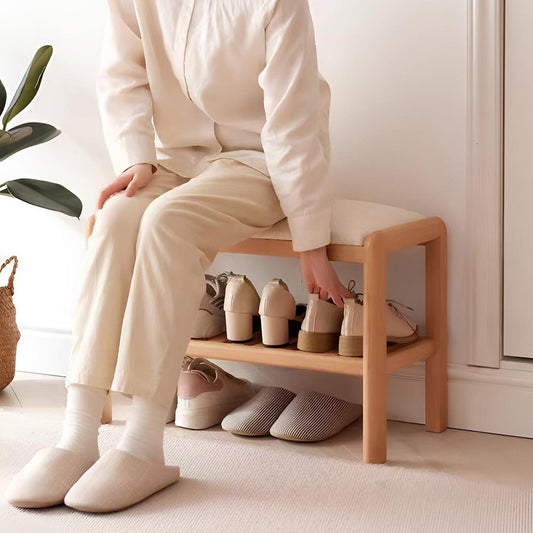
(239, 326)
(317, 342)
(351, 346)
(274, 331)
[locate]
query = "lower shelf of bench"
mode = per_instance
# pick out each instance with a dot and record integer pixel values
(253, 351)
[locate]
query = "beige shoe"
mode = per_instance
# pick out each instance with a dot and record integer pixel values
(399, 327)
(117, 480)
(321, 325)
(276, 308)
(46, 478)
(241, 304)
(207, 393)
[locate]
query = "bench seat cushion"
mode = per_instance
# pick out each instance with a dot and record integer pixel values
(351, 221)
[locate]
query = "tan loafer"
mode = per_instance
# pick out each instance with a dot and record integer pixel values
(118, 480)
(321, 325)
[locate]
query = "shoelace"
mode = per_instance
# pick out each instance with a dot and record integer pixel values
(390, 301)
(221, 279)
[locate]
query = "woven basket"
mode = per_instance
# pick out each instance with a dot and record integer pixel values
(9, 332)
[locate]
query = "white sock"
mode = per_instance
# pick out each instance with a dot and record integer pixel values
(82, 419)
(145, 426)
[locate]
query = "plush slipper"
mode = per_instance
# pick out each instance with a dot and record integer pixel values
(46, 478)
(117, 480)
(313, 416)
(255, 417)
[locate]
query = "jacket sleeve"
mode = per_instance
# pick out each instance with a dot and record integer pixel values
(122, 91)
(295, 136)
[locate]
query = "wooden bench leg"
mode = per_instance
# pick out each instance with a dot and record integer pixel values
(374, 353)
(436, 328)
(107, 413)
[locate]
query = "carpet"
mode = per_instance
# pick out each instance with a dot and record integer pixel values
(236, 485)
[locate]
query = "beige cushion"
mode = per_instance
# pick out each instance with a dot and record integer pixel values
(351, 221)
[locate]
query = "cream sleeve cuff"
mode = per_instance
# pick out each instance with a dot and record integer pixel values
(132, 149)
(310, 231)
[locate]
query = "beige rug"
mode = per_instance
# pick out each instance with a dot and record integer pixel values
(236, 485)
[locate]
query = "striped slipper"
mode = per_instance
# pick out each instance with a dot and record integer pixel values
(255, 417)
(313, 416)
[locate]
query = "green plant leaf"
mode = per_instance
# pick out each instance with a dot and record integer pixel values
(24, 136)
(30, 83)
(3, 96)
(45, 194)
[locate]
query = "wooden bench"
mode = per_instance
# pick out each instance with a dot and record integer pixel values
(362, 232)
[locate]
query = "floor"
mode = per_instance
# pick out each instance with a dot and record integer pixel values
(472, 455)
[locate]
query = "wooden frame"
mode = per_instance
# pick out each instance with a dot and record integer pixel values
(377, 361)
(484, 213)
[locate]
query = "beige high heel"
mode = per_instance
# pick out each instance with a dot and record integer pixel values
(276, 308)
(241, 303)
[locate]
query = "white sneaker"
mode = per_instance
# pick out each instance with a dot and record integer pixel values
(400, 328)
(207, 393)
(210, 319)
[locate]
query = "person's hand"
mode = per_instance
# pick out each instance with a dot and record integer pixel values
(132, 179)
(320, 277)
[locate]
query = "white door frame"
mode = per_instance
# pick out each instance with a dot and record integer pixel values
(484, 211)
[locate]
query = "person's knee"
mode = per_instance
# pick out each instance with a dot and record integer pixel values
(118, 217)
(175, 224)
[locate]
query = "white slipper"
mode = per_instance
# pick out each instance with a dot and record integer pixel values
(46, 478)
(117, 480)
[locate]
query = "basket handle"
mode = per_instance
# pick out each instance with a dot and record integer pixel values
(12, 276)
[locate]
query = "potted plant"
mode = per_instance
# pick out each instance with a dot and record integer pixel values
(45, 194)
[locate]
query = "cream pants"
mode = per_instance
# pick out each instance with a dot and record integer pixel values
(144, 273)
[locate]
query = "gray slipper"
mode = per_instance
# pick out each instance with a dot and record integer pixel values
(255, 417)
(313, 416)
(117, 480)
(46, 478)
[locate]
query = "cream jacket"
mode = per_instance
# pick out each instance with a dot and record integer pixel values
(184, 82)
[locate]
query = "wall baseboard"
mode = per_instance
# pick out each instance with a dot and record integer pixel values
(480, 399)
(44, 350)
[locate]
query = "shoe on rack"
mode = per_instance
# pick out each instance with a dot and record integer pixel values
(210, 319)
(241, 305)
(207, 393)
(313, 416)
(400, 328)
(321, 326)
(255, 417)
(276, 308)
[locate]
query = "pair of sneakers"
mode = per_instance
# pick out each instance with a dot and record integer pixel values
(326, 326)
(208, 395)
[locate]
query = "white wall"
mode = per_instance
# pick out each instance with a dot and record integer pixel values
(398, 131)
